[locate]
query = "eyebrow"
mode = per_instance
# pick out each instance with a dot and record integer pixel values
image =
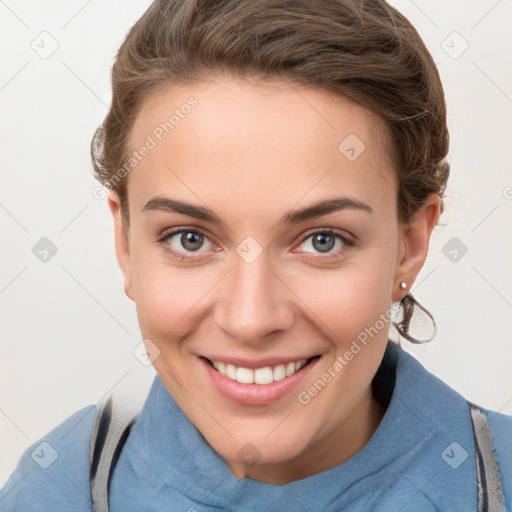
(292, 217)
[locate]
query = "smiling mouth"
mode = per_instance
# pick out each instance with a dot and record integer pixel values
(263, 375)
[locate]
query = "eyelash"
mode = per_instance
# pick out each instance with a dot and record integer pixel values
(328, 231)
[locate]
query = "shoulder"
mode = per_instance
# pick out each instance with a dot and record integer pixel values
(448, 413)
(53, 472)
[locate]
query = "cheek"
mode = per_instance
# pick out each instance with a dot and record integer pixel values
(166, 297)
(346, 301)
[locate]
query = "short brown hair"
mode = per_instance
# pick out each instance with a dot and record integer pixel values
(364, 50)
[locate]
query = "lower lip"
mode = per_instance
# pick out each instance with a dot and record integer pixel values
(256, 394)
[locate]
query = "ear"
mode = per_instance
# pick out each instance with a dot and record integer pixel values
(122, 242)
(413, 244)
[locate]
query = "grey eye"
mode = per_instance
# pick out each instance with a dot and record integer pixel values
(191, 241)
(185, 240)
(322, 242)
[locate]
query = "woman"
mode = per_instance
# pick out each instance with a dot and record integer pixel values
(275, 172)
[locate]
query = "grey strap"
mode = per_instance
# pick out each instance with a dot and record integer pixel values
(489, 488)
(116, 416)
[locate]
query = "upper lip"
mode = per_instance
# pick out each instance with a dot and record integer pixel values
(252, 364)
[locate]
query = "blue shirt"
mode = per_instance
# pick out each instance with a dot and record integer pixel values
(420, 459)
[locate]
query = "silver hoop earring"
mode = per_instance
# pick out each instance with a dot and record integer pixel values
(408, 305)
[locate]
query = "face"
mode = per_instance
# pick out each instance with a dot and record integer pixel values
(236, 277)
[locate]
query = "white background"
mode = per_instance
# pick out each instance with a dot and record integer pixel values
(67, 329)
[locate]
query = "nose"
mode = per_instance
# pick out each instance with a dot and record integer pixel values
(254, 303)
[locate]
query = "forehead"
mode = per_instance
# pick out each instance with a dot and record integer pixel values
(270, 139)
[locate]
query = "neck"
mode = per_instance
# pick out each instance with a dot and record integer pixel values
(337, 447)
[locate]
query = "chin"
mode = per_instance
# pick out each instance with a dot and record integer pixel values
(261, 448)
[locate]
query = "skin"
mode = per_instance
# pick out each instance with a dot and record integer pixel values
(251, 152)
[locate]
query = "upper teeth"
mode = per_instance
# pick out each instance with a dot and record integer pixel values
(265, 375)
